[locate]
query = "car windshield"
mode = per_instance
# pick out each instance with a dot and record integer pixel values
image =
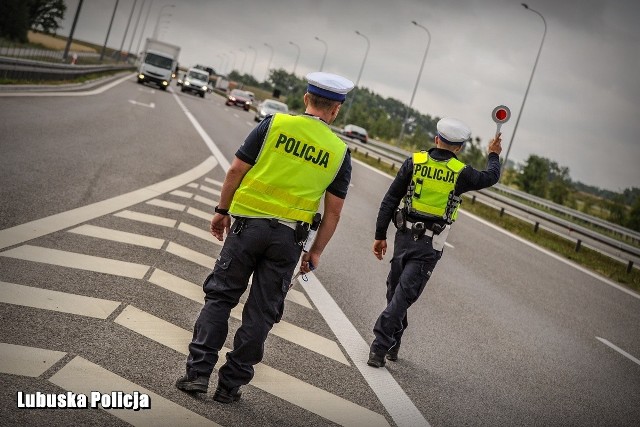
(158, 61)
(277, 107)
(199, 76)
(240, 93)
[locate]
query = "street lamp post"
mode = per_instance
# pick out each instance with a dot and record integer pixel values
(266, 75)
(295, 65)
(535, 64)
(233, 67)
(326, 48)
(104, 46)
(144, 27)
(160, 14)
(243, 60)
(126, 31)
(346, 115)
(406, 117)
(135, 28)
(255, 55)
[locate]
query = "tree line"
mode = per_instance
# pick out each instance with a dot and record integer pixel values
(17, 17)
(539, 176)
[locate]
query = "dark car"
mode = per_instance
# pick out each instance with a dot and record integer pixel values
(239, 98)
(356, 132)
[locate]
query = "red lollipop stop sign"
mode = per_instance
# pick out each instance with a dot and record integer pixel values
(501, 114)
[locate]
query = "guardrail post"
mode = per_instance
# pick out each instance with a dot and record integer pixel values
(379, 160)
(578, 244)
(501, 211)
(536, 227)
(629, 267)
(366, 154)
(473, 200)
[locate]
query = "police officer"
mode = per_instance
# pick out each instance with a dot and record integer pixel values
(430, 184)
(273, 189)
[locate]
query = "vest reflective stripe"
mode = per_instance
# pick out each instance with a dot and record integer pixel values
(299, 159)
(433, 180)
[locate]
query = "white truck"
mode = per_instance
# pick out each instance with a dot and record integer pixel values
(159, 60)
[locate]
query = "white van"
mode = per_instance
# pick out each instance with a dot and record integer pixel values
(195, 80)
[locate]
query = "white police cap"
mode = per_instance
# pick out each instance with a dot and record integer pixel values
(453, 131)
(330, 86)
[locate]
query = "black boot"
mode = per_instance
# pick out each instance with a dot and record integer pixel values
(225, 395)
(376, 360)
(392, 354)
(193, 383)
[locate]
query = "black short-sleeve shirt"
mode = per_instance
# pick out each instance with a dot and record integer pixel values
(249, 150)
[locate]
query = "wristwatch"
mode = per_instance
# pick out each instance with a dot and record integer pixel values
(221, 211)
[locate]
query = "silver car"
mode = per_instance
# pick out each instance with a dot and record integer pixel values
(268, 107)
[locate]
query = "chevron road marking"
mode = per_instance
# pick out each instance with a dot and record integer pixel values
(283, 329)
(27, 361)
(46, 299)
(118, 236)
(277, 383)
(149, 219)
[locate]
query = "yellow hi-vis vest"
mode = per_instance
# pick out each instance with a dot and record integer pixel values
(434, 180)
(299, 159)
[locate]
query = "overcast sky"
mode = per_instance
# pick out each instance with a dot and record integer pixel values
(582, 110)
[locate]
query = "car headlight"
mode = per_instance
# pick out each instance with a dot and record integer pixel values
(204, 88)
(187, 83)
(231, 98)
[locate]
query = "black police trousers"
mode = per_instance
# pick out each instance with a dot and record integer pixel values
(268, 250)
(411, 267)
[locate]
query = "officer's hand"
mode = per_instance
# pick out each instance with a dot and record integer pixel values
(309, 259)
(379, 248)
(220, 224)
(494, 145)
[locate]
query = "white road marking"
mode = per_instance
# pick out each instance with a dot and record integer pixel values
(78, 261)
(192, 185)
(210, 190)
(31, 230)
(167, 205)
(118, 236)
(284, 330)
(206, 201)
(619, 350)
(27, 361)
(150, 105)
(277, 383)
(46, 299)
(394, 399)
(82, 376)
(149, 219)
(181, 193)
(213, 181)
(190, 255)
(299, 298)
(224, 163)
(97, 91)
(200, 214)
(198, 232)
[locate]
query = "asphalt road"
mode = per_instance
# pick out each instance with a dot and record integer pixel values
(504, 334)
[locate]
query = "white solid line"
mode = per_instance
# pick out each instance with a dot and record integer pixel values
(283, 329)
(78, 261)
(619, 350)
(393, 398)
(197, 232)
(27, 361)
(555, 256)
(190, 255)
(166, 204)
(31, 230)
(118, 236)
(149, 219)
(224, 163)
(78, 93)
(277, 383)
(213, 181)
(209, 202)
(83, 377)
(181, 193)
(46, 299)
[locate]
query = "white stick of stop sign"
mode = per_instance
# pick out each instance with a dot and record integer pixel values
(501, 114)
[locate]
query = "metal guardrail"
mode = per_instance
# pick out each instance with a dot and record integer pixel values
(396, 156)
